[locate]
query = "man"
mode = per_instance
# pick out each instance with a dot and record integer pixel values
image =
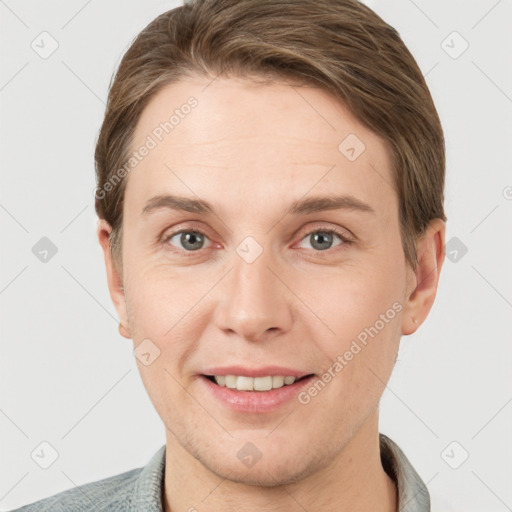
(270, 195)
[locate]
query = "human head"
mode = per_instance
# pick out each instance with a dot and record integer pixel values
(271, 90)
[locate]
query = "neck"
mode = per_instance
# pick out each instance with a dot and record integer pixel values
(354, 481)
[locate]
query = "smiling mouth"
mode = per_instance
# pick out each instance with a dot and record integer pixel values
(258, 384)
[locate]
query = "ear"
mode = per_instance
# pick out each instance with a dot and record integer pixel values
(115, 283)
(422, 282)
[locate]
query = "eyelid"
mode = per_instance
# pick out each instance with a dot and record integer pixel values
(343, 233)
(183, 226)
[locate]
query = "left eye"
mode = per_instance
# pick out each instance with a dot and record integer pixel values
(321, 239)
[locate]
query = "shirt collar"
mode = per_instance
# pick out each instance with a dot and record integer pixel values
(148, 493)
(413, 495)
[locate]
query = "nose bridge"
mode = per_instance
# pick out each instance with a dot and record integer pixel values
(254, 300)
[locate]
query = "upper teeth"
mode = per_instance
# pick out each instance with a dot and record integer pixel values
(242, 383)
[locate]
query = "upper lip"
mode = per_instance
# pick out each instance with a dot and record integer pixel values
(256, 372)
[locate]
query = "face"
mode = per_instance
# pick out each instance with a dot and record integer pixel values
(259, 277)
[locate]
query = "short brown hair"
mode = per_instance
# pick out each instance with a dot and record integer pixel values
(341, 46)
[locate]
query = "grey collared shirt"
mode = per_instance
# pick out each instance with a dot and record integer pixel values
(142, 489)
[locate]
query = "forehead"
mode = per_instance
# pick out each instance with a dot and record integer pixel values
(254, 140)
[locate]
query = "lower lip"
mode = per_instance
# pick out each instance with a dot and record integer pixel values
(256, 401)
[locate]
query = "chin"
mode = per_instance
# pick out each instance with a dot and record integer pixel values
(270, 467)
(262, 474)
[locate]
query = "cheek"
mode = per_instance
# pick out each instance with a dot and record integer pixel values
(355, 299)
(158, 299)
(163, 325)
(362, 309)
(166, 310)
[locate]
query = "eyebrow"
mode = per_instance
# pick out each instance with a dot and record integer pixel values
(302, 206)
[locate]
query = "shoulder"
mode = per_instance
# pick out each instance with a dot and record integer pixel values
(137, 489)
(107, 494)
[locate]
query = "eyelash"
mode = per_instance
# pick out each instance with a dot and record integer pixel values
(346, 241)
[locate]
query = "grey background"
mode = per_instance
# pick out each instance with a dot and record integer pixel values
(67, 376)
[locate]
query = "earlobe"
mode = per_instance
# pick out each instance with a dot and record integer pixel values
(419, 301)
(114, 280)
(124, 331)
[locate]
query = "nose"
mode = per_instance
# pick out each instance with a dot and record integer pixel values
(254, 301)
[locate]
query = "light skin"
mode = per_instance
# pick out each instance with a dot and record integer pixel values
(251, 151)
